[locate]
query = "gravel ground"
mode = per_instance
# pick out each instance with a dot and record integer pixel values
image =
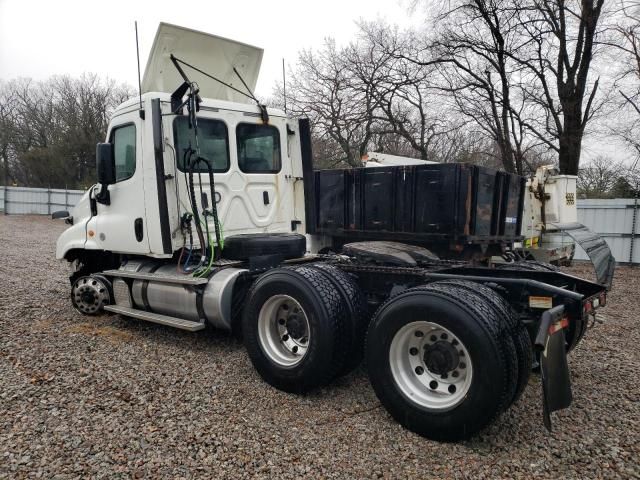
(107, 397)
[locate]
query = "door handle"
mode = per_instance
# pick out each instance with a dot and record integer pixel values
(265, 197)
(138, 229)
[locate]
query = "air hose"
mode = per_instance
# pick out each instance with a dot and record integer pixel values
(214, 209)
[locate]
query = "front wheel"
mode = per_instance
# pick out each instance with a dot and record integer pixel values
(439, 363)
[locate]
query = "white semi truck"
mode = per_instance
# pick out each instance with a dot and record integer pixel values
(207, 211)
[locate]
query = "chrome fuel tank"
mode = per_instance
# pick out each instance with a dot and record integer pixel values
(175, 300)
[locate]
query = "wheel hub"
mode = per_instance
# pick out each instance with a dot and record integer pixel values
(283, 330)
(441, 357)
(296, 326)
(89, 295)
(430, 365)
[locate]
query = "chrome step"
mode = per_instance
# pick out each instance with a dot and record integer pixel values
(156, 318)
(180, 279)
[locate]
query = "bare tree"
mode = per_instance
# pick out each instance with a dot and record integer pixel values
(598, 178)
(474, 49)
(7, 109)
(559, 40)
(628, 43)
(49, 129)
(323, 88)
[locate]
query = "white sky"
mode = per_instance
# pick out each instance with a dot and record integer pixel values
(43, 38)
(40, 38)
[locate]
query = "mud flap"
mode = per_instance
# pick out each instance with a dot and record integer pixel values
(595, 247)
(556, 381)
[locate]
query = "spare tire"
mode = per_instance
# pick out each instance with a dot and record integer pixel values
(245, 246)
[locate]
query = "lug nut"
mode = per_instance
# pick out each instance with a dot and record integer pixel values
(454, 342)
(444, 376)
(419, 370)
(281, 321)
(455, 374)
(433, 338)
(285, 338)
(444, 336)
(452, 389)
(463, 365)
(295, 349)
(419, 333)
(413, 351)
(433, 385)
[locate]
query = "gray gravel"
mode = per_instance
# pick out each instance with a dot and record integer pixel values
(107, 397)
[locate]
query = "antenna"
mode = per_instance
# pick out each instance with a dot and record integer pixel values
(139, 81)
(284, 86)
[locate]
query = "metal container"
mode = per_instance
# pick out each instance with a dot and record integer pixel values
(453, 204)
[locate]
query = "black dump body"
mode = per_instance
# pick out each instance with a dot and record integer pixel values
(450, 205)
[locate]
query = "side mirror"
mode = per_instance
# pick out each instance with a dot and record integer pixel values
(60, 214)
(106, 164)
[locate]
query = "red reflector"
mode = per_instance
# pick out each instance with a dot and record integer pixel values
(559, 325)
(588, 307)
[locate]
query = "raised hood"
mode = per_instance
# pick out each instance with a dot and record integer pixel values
(214, 55)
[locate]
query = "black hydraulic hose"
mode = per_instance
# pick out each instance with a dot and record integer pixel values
(214, 206)
(196, 215)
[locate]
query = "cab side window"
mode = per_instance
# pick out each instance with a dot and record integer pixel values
(258, 148)
(124, 151)
(213, 141)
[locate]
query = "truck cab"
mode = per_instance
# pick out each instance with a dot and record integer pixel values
(256, 163)
(257, 173)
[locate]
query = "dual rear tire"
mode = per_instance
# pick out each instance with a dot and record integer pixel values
(445, 359)
(304, 326)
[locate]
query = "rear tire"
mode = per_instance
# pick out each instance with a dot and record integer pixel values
(516, 330)
(422, 406)
(294, 329)
(355, 307)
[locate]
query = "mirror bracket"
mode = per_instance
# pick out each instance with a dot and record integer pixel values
(103, 196)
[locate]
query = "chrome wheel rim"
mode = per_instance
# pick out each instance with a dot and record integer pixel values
(425, 367)
(89, 295)
(283, 330)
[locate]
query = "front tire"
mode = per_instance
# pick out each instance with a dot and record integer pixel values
(429, 339)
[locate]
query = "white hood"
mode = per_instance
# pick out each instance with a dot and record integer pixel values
(215, 55)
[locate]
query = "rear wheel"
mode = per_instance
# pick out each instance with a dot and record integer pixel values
(512, 327)
(438, 361)
(355, 308)
(294, 329)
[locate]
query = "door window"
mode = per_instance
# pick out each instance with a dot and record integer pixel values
(213, 141)
(124, 151)
(258, 148)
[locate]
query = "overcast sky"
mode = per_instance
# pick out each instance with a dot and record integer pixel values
(40, 38)
(43, 38)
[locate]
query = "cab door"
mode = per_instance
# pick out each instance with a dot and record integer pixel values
(120, 226)
(261, 187)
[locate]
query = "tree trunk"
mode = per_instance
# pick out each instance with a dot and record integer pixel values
(570, 142)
